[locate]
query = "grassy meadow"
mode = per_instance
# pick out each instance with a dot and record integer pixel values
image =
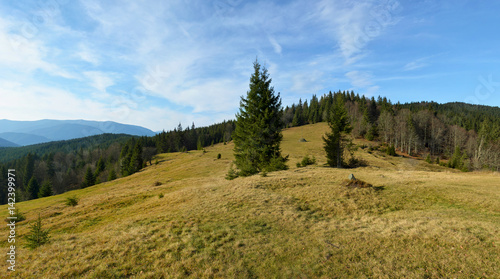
(182, 219)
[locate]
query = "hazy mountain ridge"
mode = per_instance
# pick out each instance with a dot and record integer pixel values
(6, 143)
(33, 132)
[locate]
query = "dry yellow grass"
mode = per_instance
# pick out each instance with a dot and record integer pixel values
(418, 221)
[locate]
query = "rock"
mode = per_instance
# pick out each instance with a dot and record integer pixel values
(302, 140)
(351, 177)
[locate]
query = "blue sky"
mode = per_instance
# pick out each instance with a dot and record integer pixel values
(158, 63)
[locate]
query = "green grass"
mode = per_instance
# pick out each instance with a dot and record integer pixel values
(417, 221)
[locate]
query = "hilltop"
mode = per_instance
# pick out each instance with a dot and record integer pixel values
(34, 132)
(181, 218)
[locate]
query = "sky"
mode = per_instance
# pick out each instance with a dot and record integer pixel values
(160, 63)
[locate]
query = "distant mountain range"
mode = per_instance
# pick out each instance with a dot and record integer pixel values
(22, 133)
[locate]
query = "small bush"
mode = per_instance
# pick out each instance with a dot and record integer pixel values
(437, 161)
(157, 183)
(391, 150)
(156, 162)
(160, 195)
(72, 201)
(356, 163)
(37, 235)
(306, 161)
(231, 174)
(428, 159)
(20, 216)
(277, 164)
(263, 173)
(219, 156)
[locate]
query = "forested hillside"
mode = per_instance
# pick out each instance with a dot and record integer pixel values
(458, 135)
(66, 165)
(466, 134)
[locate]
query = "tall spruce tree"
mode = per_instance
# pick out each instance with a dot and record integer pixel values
(46, 189)
(89, 178)
(257, 136)
(338, 139)
(33, 188)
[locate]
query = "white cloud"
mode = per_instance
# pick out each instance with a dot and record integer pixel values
(85, 54)
(99, 80)
(360, 79)
(276, 45)
(355, 23)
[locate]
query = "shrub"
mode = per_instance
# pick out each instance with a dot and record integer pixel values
(20, 216)
(306, 161)
(276, 164)
(356, 163)
(157, 183)
(37, 235)
(71, 201)
(437, 161)
(231, 174)
(219, 156)
(160, 195)
(391, 150)
(428, 159)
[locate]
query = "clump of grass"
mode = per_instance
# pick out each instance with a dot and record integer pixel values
(160, 195)
(157, 183)
(37, 235)
(356, 183)
(71, 201)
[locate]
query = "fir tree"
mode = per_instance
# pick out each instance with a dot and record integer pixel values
(89, 179)
(136, 161)
(338, 139)
(112, 175)
(46, 189)
(258, 135)
(33, 188)
(99, 167)
(37, 235)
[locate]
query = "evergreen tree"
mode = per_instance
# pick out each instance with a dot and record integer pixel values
(33, 188)
(338, 139)
(298, 117)
(29, 167)
(112, 175)
(136, 161)
(3, 181)
(99, 167)
(89, 179)
(46, 189)
(258, 135)
(37, 235)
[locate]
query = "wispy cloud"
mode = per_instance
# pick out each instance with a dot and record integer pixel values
(99, 80)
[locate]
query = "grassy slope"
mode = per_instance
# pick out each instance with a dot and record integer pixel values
(420, 221)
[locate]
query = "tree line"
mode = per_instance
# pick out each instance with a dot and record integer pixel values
(56, 167)
(466, 136)
(427, 129)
